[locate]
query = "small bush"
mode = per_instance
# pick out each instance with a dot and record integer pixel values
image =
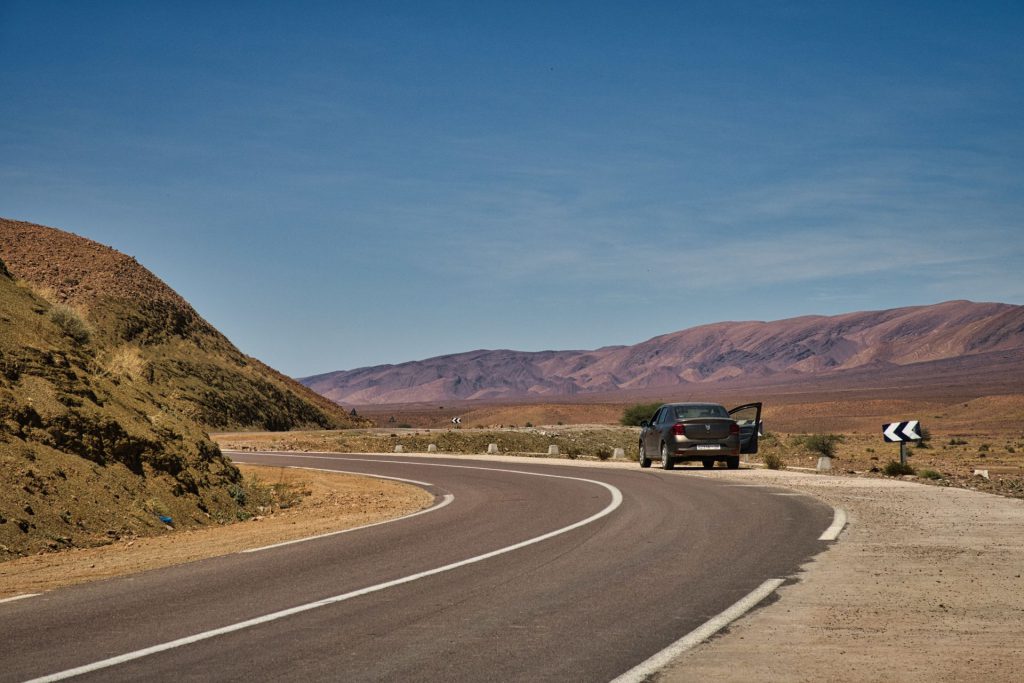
(983, 448)
(957, 442)
(633, 415)
(773, 461)
(70, 324)
(895, 468)
(604, 452)
(926, 437)
(823, 444)
(126, 361)
(929, 474)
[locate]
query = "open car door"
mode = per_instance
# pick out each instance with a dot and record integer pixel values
(748, 417)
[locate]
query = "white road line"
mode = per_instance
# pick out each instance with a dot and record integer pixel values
(448, 498)
(838, 522)
(20, 597)
(643, 670)
(205, 635)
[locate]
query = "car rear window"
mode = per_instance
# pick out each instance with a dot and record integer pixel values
(709, 410)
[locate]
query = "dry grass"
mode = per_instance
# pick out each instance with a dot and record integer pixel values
(126, 362)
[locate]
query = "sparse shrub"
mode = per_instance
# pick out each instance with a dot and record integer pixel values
(773, 461)
(238, 493)
(604, 452)
(926, 437)
(957, 442)
(983, 448)
(404, 425)
(126, 361)
(1010, 449)
(71, 324)
(633, 415)
(929, 474)
(822, 444)
(529, 425)
(894, 468)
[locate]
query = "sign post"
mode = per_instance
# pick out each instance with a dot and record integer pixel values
(902, 432)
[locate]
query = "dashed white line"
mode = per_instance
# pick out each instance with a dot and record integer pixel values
(20, 597)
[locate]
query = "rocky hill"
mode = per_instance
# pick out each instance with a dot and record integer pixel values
(108, 380)
(917, 340)
(138, 322)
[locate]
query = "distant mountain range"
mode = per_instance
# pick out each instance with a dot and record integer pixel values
(729, 354)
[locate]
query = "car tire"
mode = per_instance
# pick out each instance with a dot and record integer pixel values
(666, 461)
(733, 462)
(644, 460)
(708, 463)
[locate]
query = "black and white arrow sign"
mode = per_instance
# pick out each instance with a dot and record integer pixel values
(456, 420)
(901, 431)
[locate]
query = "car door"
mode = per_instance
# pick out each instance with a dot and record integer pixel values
(652, 435)
(748, 417)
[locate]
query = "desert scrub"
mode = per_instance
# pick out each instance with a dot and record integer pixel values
(633, 415)
(71, 324)
(822, 444)
(929, 474)
(125, 362)
(773, 461)
(894, 468)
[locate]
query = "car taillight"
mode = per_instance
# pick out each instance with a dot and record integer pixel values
(734, 428)
(679, 429)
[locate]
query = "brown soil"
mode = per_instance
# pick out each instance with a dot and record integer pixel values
(329, 502)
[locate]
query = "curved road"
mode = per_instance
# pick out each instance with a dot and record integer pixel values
(577, 574)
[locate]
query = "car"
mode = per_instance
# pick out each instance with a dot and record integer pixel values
(703, 432)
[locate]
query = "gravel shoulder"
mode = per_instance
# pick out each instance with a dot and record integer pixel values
(334, 502)
(924, 584)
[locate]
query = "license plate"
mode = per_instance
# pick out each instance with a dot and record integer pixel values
(709, 447)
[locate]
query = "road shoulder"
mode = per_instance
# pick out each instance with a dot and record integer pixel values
(335, 502)
(923, 585)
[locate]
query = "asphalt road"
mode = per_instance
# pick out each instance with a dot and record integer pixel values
(585, 604)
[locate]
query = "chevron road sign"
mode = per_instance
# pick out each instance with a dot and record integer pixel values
(901, 431)
(456, 420)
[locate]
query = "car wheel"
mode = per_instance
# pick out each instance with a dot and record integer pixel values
(644, 460)
(666, 462)
(733, 463)
(708, 463)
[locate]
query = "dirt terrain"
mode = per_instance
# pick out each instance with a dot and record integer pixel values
(319, 502)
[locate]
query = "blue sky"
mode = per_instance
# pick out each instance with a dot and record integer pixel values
(340, 184)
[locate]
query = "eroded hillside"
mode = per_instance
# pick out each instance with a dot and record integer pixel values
(87, 453)
(140, 325)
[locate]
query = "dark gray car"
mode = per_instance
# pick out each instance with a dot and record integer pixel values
(704, 432)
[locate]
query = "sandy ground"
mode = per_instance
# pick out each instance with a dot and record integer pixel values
(335, 502)
(923, 585)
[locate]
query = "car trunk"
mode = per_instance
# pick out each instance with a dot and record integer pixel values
(714, 429)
